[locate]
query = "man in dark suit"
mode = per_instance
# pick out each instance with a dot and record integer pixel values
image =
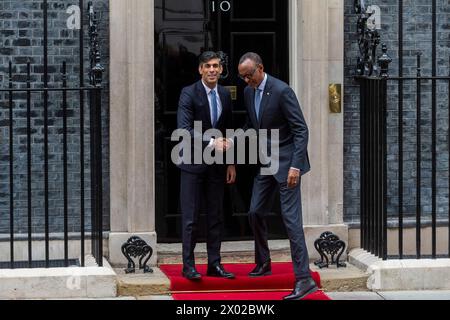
(271, 104)
(203, 184)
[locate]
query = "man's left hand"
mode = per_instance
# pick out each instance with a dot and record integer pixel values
(231, 174)
(293, 178)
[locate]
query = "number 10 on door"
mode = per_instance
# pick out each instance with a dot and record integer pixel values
(220, 6)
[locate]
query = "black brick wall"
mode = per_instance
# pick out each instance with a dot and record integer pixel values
(21, 39)
(417, 37)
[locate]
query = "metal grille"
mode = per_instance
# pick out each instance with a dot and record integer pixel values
(44, 96)
(377, 91)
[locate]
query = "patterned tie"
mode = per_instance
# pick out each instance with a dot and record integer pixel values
(257, 101)
(214, 107)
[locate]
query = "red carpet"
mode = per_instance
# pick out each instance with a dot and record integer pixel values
(272, 287)
(267, 295)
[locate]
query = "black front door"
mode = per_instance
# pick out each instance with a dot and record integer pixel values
(184, 29)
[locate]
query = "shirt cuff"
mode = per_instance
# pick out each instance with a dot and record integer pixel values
(211, 143)
(292, 168)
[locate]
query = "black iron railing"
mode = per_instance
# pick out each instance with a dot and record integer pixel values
(377, 90)
(41, 94)
(373, 165)
(95, 78)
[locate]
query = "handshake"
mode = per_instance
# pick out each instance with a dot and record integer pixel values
(222, 144)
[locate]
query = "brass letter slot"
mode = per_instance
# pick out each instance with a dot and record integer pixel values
(233, 92)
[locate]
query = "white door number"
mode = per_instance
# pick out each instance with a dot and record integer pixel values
(220, 5)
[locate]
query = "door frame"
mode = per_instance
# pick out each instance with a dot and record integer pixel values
(227, 32)
(132, 163)
(127, 217)
(294, 54)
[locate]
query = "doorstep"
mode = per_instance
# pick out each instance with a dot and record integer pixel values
(156, 284)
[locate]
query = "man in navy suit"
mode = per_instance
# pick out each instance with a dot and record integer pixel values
(201, 183)
(272, 105)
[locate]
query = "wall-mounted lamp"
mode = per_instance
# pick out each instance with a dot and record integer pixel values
(334, 97)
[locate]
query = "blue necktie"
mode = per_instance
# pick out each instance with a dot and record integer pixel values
(214, 107)
(257, 101)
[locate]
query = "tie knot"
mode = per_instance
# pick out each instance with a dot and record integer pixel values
(213, 93)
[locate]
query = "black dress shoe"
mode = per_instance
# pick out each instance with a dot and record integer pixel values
(302, 288)
(264, 269)
(219, 271)
(191, 274)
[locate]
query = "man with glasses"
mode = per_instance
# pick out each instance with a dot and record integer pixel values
(249, 76)
(271, 104)
(202, 184)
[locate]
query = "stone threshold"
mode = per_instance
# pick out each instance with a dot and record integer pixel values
(231, 252)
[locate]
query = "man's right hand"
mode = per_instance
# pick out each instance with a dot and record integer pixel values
(222, 144)
(219, 144)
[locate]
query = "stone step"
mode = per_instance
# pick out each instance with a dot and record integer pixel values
(333, 279)
(403, 274)
(157, 284)
(343, 279)
(141, 284)
(90, 281)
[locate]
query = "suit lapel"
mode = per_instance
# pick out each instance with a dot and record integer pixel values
(265, 99)
(204, 104)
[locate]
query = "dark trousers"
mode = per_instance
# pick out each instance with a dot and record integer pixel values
(291, 212)
(202, 192)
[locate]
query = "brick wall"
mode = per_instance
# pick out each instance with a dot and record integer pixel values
(417, 38)
(21, 39)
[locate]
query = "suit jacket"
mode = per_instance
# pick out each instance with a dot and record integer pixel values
(194, 106)
(280, 109)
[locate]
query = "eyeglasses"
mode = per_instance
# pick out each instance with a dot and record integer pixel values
(248, 76)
